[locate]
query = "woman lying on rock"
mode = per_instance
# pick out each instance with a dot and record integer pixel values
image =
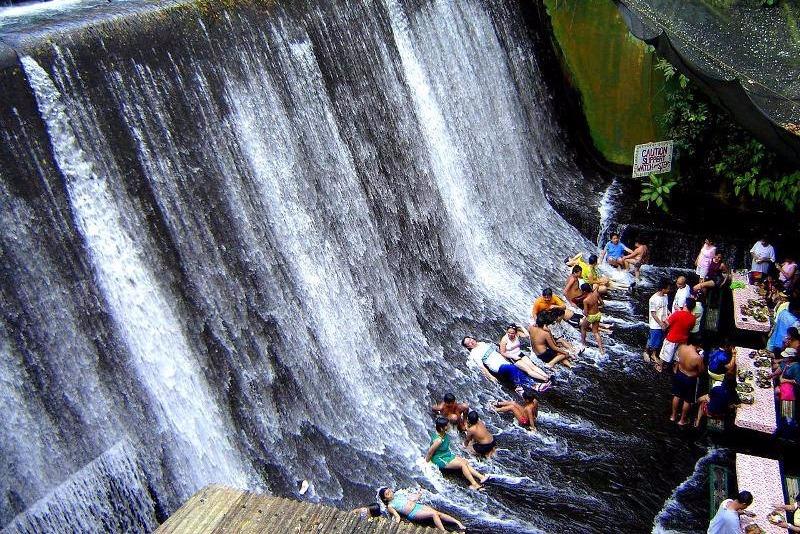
(401, 504)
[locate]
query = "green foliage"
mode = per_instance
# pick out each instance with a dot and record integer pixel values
(707, 137)
(657, 189)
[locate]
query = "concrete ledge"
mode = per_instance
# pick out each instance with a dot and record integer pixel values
(218, 508)
(8, 56)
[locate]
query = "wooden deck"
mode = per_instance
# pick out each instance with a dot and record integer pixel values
(217, 509)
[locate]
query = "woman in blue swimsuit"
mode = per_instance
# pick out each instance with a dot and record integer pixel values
(402, 504)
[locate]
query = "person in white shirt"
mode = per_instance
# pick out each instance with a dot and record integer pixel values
(694, 334)
(763, 254)
(658, 310)
(681, 293)
(727, 519)
(488, 359)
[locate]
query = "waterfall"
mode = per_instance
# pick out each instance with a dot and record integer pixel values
(242, 244)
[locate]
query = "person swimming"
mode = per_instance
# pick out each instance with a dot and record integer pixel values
(441, 456)
(525, 413)
(401, 504)
(482, 440)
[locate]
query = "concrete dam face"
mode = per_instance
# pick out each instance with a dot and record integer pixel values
(241, 243)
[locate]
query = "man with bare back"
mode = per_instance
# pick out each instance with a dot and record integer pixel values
(637, 258)
(592, 315)
(685, 381)
(572, 290)
(545, 347)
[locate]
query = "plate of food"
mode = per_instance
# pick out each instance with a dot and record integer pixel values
(744, 388)
(775, 518)
(762, 362)
(764, 353)
(746, 398)
(764, 383)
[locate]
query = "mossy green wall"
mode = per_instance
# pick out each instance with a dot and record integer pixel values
(621, 91)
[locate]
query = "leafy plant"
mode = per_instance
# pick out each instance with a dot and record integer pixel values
(706, 137)
(658, 190)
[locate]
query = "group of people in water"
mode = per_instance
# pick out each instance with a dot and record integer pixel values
(675, 342)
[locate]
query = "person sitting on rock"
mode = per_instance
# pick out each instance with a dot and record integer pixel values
(494, 366)
(524, 413)
(479, 436)
(636, 259)
(454, 412)
(614, 251)
(441, 456)
(545, 347)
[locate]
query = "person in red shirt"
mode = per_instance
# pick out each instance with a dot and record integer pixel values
(679, 325)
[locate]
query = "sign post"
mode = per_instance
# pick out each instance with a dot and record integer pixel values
(652, 158)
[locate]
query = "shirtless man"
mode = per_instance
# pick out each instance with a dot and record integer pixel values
(453, 411)
(572, 290)
(524, 413)
(482, 440)
(685, 381)
(592, 315)
(545, 347)
(637, 258)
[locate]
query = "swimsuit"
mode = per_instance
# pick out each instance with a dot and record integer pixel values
(684, 387)
(524, 421)
(484, 448)
(442, 455)
(594, 318)
(400, 502)
(548, 355)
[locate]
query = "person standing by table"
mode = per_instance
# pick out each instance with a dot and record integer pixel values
(786, 273)
(787, 318)
(707, 252)
(727, 519)
(763, 255)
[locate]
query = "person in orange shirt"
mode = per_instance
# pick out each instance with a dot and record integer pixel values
(548, 301)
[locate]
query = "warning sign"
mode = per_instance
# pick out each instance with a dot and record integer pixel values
(652, 158)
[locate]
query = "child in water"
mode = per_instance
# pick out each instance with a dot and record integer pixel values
(524, 413)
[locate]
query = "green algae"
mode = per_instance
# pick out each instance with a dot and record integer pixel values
(621, 92)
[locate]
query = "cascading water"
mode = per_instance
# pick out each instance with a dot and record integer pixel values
(248, 254)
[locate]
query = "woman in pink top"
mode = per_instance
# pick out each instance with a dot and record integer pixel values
(704, 258)
(788, 268)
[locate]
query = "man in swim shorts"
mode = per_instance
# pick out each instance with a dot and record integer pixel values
(482, 440)
(592, 315)
(545, 347)
(453, 411)
(572, 289)
(685, 381)
(637, 258)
